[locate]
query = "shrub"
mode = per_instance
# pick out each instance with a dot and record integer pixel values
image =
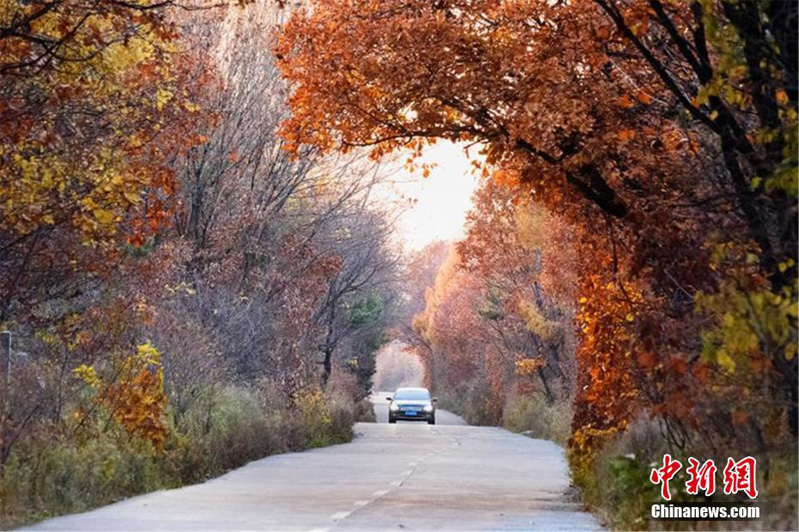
(221, 430)
(51, 478)
(224, 432)
(469, 399)
(537, 418)
(315, 415)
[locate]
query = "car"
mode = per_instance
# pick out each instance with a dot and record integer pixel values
(412, 404)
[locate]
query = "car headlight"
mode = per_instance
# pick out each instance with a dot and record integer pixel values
(428, 407)
(393, 407)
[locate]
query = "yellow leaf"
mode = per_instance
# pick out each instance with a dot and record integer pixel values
(790, 351)
(132, 197)
(104, 216)
(162, 97)
(725, 361)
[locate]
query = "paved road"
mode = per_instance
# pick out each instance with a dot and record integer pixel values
(408, 476)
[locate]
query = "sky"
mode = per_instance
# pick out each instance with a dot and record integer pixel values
(438, 203)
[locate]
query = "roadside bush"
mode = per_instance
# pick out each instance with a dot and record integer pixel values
(327, 417)
(365, 411)
(314, 412)
(469, 400)
(348, 400)
(535, 417)
(616, 484)
(49, 478)
(226, 428)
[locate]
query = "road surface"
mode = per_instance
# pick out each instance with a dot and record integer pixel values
(408, 476)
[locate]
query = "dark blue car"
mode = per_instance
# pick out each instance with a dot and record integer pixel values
(412, 404)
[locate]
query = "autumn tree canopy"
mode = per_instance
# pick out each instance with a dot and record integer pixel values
(663, 133)
(93, 106)
(496, 326)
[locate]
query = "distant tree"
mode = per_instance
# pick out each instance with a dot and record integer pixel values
(490, 329)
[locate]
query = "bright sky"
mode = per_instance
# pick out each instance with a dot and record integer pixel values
(439, 203)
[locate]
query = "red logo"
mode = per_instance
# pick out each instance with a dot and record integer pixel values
(702, 478)
(664, 474)
(740, 476)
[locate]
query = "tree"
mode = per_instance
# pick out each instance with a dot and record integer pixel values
(93, 112)
(147, 200)
(283, 247)
(360, 292)
(419, 277)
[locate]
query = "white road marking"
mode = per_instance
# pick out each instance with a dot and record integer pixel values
(379, 493)
(338, 516)
(407, 472)
(395, 483)
(361, 503)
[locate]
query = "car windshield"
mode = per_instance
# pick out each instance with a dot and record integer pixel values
(411, 394)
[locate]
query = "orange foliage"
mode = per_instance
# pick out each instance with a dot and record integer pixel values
(136, 398)
(561, 97)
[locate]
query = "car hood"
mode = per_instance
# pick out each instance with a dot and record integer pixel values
(410, 402)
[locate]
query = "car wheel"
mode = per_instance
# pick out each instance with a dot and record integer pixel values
(431, 421)
(392, 420)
